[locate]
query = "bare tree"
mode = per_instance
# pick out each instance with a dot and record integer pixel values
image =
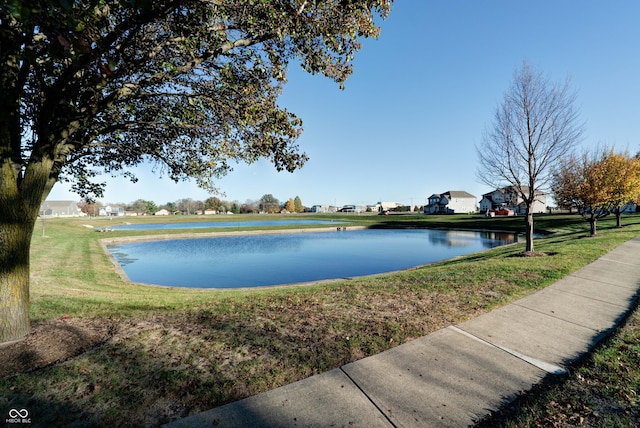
(534, 127)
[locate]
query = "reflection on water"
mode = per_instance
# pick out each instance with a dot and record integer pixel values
(462, 238)
(122, 258)
(259, 260)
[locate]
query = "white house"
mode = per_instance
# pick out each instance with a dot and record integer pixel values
(508, 197)
(451, 202)
(388, 205)
(112, 211)
(320, 209)
(60, 209)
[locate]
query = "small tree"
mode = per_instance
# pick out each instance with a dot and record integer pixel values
(212, 203)
(140, 206)
(249, 206)
(534, 127)
(171, 207)
(269, 204)
(88, 207)
(290, 206)
(299, 208)
(623, 181)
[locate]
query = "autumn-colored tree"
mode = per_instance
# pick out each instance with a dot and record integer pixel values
(216, 204)
(190, 86)
(87, 207)
(623, 181)
(290, 206)
(593, 184)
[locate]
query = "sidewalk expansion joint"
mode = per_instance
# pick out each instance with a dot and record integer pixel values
(542, 365)
(557, 317)
(577, 275)
(368, 398)
(617, 261)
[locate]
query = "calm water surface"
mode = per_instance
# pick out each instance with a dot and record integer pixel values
(262, 260)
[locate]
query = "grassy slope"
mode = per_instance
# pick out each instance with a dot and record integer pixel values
(201, 349)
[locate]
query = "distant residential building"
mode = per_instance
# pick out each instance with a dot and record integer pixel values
(162, 212)
(387, 206)
(113, 211)
(451, 202)
(60, 209)
(509, 198)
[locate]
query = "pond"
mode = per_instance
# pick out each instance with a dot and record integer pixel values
(221, 224)
(274, 259)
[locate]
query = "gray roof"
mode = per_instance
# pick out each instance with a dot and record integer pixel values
(59, 204)
(459, 194)
(453, 194)
(512, 189)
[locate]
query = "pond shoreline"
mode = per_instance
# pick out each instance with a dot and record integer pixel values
(407, 254)
(104, 242)
(190, 235)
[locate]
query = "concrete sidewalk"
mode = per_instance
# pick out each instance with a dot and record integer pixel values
(457, 375)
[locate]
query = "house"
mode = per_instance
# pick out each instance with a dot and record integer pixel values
(388, 206)
(320, 209)
(451, 202)
(60, 209)
(113, 211)
(509, 198)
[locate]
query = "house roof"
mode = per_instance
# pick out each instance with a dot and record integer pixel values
(511, 189)
(53, 205)
(459, 194)
(453, 194)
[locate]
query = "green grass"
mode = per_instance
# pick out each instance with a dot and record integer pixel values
(203, 348)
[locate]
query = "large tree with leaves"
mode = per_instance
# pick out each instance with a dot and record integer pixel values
(191, 85)
(596, 184)
(534, 127)
(624, 181)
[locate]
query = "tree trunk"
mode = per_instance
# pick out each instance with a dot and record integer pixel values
(20, 200)
(592, 224)
(529, 231)
(618, 218)
(15, 240)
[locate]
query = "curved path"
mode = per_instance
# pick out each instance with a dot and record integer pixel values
(455, 376)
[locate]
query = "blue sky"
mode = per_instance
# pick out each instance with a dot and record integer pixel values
(407, 123)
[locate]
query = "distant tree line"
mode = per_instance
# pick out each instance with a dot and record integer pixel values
(188, 206)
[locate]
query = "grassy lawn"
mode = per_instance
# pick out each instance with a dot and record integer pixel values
(172, 352)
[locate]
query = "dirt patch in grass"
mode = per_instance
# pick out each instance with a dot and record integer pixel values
(531, 254)
(50, 343)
